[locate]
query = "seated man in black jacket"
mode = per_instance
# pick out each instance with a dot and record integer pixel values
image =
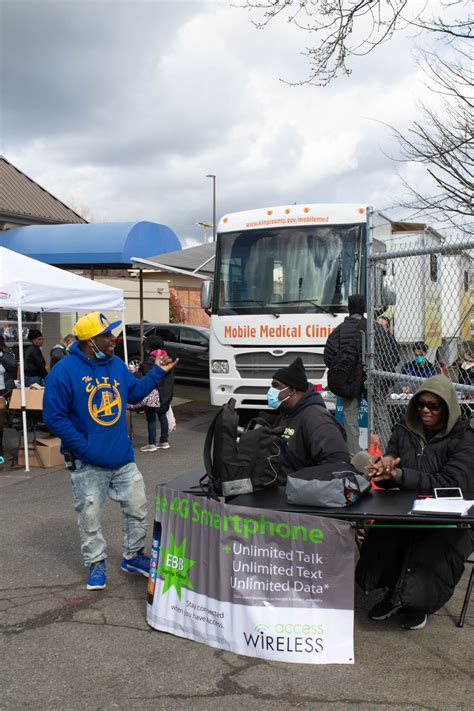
(313, 435)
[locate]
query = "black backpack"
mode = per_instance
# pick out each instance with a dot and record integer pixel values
(240, 461)
(345, 374)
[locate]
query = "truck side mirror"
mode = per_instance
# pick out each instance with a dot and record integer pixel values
(206, 295)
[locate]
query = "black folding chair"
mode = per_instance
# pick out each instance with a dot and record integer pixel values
(467, 596)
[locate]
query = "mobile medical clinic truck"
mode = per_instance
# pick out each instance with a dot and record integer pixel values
(282, 279)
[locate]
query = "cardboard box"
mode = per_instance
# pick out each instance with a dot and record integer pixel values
(34, 398)
(49, 450)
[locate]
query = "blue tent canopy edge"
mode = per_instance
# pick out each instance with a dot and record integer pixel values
(106, 244)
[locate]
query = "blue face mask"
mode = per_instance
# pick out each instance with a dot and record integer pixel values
(98, 354)
(273, 398)
(420, 359)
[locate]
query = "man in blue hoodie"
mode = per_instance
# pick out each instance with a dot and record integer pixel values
(85, 404)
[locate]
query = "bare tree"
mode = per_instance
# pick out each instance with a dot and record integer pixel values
(344, 28)
(84, 211)
(443, 140)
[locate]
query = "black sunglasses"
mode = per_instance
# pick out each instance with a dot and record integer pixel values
(431, 406)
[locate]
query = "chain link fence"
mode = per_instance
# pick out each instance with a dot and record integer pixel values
(427, 329)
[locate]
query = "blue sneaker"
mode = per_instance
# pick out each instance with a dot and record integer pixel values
(139, 564)
(96, 580)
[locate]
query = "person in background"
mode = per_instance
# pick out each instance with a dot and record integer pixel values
(439, 363)
(387, 350)
(347, 341)
(384, 321)
(153, 348)
(35, 364)
(85, 406)
(8, 368)
(386, 358)
(312, 433)
(433, 447)
(421, 366)
(61, 349)
(466, 369)
(8, 371)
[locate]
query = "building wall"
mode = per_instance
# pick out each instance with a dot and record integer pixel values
(188, 290)
(190, 298)
(155, 297)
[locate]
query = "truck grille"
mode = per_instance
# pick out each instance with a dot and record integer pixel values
(262, 364)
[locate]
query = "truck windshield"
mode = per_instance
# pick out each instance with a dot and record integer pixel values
(298, 269)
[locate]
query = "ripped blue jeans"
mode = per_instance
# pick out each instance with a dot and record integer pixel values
(90, 485)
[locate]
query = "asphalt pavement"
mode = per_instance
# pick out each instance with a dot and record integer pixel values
(63, 647)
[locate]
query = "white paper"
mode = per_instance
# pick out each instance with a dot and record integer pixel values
(438, 506)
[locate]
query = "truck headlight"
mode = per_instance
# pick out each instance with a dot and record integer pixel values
(220, 366)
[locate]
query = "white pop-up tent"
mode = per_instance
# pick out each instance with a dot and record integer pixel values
(29, 285)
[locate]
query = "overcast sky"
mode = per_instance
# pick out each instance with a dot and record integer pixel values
(124, 107)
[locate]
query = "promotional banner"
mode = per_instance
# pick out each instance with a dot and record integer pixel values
(261, 583)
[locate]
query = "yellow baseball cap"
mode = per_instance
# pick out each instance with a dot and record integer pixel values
(93, 324)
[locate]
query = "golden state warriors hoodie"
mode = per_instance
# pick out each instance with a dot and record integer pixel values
(85, 402)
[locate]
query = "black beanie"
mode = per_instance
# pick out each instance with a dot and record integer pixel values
(34, 333)
(356, 304)
(293, 375)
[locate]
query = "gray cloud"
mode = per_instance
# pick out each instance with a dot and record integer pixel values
(69, 64)
(125, 106)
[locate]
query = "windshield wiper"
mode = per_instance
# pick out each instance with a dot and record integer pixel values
(320, 308)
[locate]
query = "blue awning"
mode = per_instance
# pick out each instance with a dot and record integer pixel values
(105, 244)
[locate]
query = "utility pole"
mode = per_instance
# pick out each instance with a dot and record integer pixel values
(213, 206)
(205, 226)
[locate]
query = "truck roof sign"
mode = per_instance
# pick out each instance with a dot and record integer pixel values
(294, 216)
